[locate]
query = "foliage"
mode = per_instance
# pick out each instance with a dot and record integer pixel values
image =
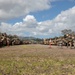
(68, 31)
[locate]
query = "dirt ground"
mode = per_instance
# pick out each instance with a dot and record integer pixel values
(37, 49)
(36, 59)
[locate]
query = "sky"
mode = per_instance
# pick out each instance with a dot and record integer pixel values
(36, 18)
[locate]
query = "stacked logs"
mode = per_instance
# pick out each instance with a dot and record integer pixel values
(68, 41)
(6, 40)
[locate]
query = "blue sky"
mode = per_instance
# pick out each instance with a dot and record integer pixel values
(56, 9)
(37, 18)
(49, 14)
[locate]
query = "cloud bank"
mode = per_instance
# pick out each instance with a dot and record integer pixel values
(31, 27)
(16, 8)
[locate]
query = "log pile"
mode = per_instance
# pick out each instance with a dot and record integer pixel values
(66, 41)
(6, 40)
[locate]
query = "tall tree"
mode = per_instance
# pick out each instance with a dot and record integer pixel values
(67, 31)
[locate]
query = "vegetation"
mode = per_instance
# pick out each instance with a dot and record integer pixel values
(36, 60)
(68, 31)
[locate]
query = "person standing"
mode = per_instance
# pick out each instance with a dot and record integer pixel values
(50, 43)
(8, 41)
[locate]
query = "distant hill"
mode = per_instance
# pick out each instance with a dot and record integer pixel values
(30, 38)
(27, 38)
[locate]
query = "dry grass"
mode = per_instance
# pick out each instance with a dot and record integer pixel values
(37, 60)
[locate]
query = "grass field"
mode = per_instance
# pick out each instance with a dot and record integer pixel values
(37, 60)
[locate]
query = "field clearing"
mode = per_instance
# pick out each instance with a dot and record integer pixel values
(37, 60)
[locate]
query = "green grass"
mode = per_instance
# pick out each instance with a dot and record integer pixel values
(36, 60)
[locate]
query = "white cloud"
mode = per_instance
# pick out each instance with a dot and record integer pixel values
(16, 8)
(30, 26)
(29, 18)
(66, 19)
(30, 21)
